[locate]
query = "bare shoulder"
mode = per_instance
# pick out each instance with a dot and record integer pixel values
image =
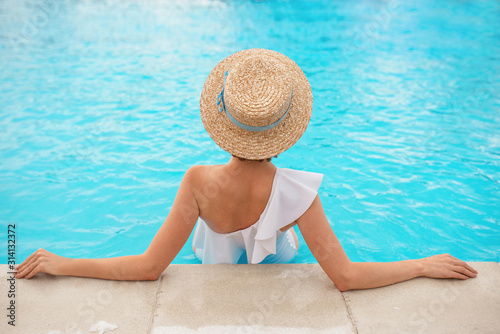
(199, 172)
(198, 175)
(194, 172)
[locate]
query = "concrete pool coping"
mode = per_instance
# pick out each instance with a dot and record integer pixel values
(271, 298)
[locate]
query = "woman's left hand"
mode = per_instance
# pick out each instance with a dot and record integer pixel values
(41, 261)
(446, 266)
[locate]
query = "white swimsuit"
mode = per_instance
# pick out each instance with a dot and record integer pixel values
(292, 194)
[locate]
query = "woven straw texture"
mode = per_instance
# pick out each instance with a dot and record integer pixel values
(258, 91)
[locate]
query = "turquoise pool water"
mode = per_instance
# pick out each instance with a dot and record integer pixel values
(99, 119)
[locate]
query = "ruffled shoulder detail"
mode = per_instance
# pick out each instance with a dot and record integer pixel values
(292, 194)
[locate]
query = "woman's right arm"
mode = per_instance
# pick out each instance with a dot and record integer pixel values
(348, 275)
(167, 242)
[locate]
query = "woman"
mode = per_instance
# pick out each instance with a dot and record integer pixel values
(255, 104)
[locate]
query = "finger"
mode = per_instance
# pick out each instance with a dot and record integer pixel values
(25, 264)
(454, 274)
(31, 258)
(27, 270)
(27, 260)
(464, 264)
(470, 268)
(21, 269)
(35, 270)
(470, 273)
(22, 273)
(466, 267)
(464, 271)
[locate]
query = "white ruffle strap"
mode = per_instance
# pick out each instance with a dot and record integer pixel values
(292, 194)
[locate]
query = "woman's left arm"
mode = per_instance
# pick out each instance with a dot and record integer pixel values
(166, 244)
(348, 275)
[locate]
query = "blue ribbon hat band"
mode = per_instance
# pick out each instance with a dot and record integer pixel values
(222, 108)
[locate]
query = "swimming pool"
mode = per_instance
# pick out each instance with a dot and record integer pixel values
(99, 119)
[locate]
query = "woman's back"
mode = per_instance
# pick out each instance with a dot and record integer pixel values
(250, 209)
(232, 197)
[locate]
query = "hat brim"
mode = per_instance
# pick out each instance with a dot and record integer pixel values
(248, 144)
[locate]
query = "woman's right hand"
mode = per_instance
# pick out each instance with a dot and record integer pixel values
(446, 266)
(41, 261)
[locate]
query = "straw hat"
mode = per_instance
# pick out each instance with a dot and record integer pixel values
(256, 103)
